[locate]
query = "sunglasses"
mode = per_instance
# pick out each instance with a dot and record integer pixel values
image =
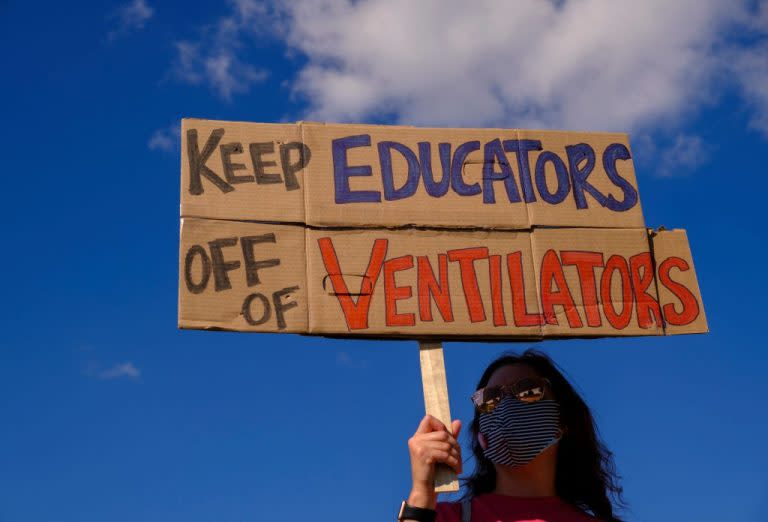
(531, 389)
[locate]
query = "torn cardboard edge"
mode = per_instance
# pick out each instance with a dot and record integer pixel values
(278, 271)
(328, 175)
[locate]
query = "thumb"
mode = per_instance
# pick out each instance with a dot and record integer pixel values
(456, 428)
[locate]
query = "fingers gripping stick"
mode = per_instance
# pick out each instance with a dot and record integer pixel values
(436, 403)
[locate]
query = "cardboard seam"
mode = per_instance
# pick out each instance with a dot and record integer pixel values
(305, 190)
(307, 174)
(408, 226)
(310, 290)
(536, 282)
(405, 227)
(652, 250)
(528, 209)
(179, 290)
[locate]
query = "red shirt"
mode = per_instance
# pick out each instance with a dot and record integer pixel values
(491, 507)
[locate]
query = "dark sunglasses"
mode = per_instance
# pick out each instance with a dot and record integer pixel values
(530, 389)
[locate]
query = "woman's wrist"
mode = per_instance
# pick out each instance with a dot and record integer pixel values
(422, 497)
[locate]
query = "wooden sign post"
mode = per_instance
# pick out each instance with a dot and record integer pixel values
(436, 402)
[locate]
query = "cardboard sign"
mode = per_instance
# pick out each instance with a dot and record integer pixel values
(578, 282)
(372, 230)
(390, 176)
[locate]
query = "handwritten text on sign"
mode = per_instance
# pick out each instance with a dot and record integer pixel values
(636, 299)
(422, 283)
(571, 173)
(505, 179)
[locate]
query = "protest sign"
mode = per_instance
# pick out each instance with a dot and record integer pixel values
(430, 234)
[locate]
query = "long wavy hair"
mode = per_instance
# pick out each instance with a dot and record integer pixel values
(586, 475)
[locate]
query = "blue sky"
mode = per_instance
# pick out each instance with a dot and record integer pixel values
(109, 413)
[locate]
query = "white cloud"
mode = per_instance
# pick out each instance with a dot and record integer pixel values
(583, 64)
(686, 154)
(215, 58)
(167, 139)
(116, 371)
(644, 67)
(130, 17)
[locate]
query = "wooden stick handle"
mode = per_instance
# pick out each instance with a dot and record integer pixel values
(436, 403)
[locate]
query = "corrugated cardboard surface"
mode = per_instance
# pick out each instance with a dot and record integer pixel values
(387, 274)
(376, 230)
(614, 293)
(266, 198)
(576, 179)
(595, 188)
(424, 252)
(675, 273)
(448, 210)
(227, 251)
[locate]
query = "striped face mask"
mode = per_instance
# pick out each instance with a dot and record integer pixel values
(518, 432)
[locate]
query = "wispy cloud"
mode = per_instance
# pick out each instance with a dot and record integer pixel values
(116, 371)
(747, 64)
(686, 154)
(166, 140)
(129, 18)
(346, 360)
(215, 58)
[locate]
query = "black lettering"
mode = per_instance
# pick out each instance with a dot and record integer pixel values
(290, 169)
(281, 307)
(220, 266)
(197, 288)
(257, 151)
(197, 162)
(265, 315)
(229, 168)
(252, 266)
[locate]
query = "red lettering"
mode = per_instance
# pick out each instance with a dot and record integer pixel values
(552, 271)
(427, 286)
(585, 263)
(355, 313)
(497, 303)
(466, 258)
(617, 320)
(690, 304)
(393, 293)
(517, 284)
(646, 304)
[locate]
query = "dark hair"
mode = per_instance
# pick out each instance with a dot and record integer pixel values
(585, 476)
